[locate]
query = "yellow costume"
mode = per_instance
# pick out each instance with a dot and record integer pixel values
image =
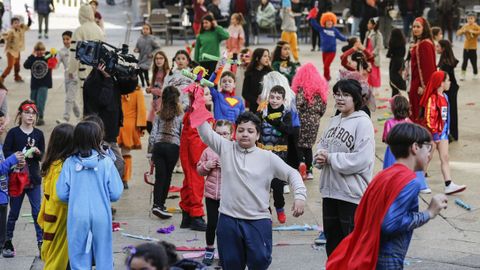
(53, 220)
(134, 120)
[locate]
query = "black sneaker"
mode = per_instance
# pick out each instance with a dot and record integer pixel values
(39, 244)
(185, 220)
(40, 122)
(161, 212)
(125, 185)
(8, 250)
(209, 256)
(198, 224)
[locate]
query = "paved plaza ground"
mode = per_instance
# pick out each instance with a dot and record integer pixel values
(450, 241)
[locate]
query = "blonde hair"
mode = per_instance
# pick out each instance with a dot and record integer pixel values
(239, 17)
(39, 46)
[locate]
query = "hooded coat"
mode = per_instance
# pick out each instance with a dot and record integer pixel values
(88, 30)
(89, 185)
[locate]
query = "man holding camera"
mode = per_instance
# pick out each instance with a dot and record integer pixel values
(102, 97)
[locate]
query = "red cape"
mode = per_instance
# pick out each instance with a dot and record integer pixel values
(359, 250)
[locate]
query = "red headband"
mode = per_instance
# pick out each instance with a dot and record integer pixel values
(27, 106)
(421, 20)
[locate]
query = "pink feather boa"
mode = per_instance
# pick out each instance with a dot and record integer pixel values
(309, 79)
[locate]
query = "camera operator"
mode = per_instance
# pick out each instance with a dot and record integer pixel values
(102, 96)
(88, 30)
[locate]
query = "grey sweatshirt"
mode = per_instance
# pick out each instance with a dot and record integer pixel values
(146, 45)
(246, 176)
(288, 20)
(351, 156)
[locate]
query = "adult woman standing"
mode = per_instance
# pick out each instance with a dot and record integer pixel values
(208, 41)
(252, 87)
(422, 63)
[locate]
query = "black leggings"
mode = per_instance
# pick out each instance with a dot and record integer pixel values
(338, 219)
(472, 56)
(165, 156)
(315, 39)
(397, 82)
(143, 74)
(306, 155)
(277, 187)
(212, 220)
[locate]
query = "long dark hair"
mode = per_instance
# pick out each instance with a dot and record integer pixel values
(397, 39)
(427, 32)
(209, 18)
(447, 57)
(277, 53)
(170, 103)
(59, 146)
(87, 136)
(257, 55)
(155, 69)
(184, 52)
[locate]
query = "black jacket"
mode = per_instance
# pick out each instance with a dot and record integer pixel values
(102, 96)
(418, 7)
(41, 74)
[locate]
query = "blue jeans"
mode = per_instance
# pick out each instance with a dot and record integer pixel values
(34, 195)
(39, 95)
(244, 242)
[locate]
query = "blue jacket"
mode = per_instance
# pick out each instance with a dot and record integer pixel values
(397, 228)
(328, 36)
(5, 165)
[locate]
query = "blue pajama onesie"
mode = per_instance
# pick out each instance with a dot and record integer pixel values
(89, 185)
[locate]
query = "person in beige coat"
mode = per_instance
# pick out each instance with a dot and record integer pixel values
(88, 30)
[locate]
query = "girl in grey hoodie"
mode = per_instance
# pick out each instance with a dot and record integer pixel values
(346, 156)
(146, 45)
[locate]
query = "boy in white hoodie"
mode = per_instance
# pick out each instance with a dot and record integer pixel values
(346, 155)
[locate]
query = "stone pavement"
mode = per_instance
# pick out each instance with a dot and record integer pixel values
(451, 241)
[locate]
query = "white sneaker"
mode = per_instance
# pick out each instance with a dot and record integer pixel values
(61, 121)
(475, 77)
(463, 76)
(309, 176)
(286, 189)
(454, 188)
(426, 191)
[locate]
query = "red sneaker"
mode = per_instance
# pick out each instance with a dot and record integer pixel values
(282, 218)
(302, 168)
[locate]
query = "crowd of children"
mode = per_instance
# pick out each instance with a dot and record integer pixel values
(241, 127)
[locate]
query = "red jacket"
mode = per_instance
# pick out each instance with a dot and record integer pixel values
(436, 113)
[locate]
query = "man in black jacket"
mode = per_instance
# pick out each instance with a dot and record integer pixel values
(102, 97)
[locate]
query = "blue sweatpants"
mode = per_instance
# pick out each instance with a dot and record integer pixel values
(244, 242)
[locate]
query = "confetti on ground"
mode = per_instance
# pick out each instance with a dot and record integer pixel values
(166, 230)
(185, 248)
(382, 107)
(173, 197)
(382, 99)
(305, 227)
(463, 204)
(140, 237)
(470, 104)
(174, 210)
(380, 119)
(193, 239)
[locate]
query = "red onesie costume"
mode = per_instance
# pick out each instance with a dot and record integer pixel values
(191, 148)
(422, 62)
